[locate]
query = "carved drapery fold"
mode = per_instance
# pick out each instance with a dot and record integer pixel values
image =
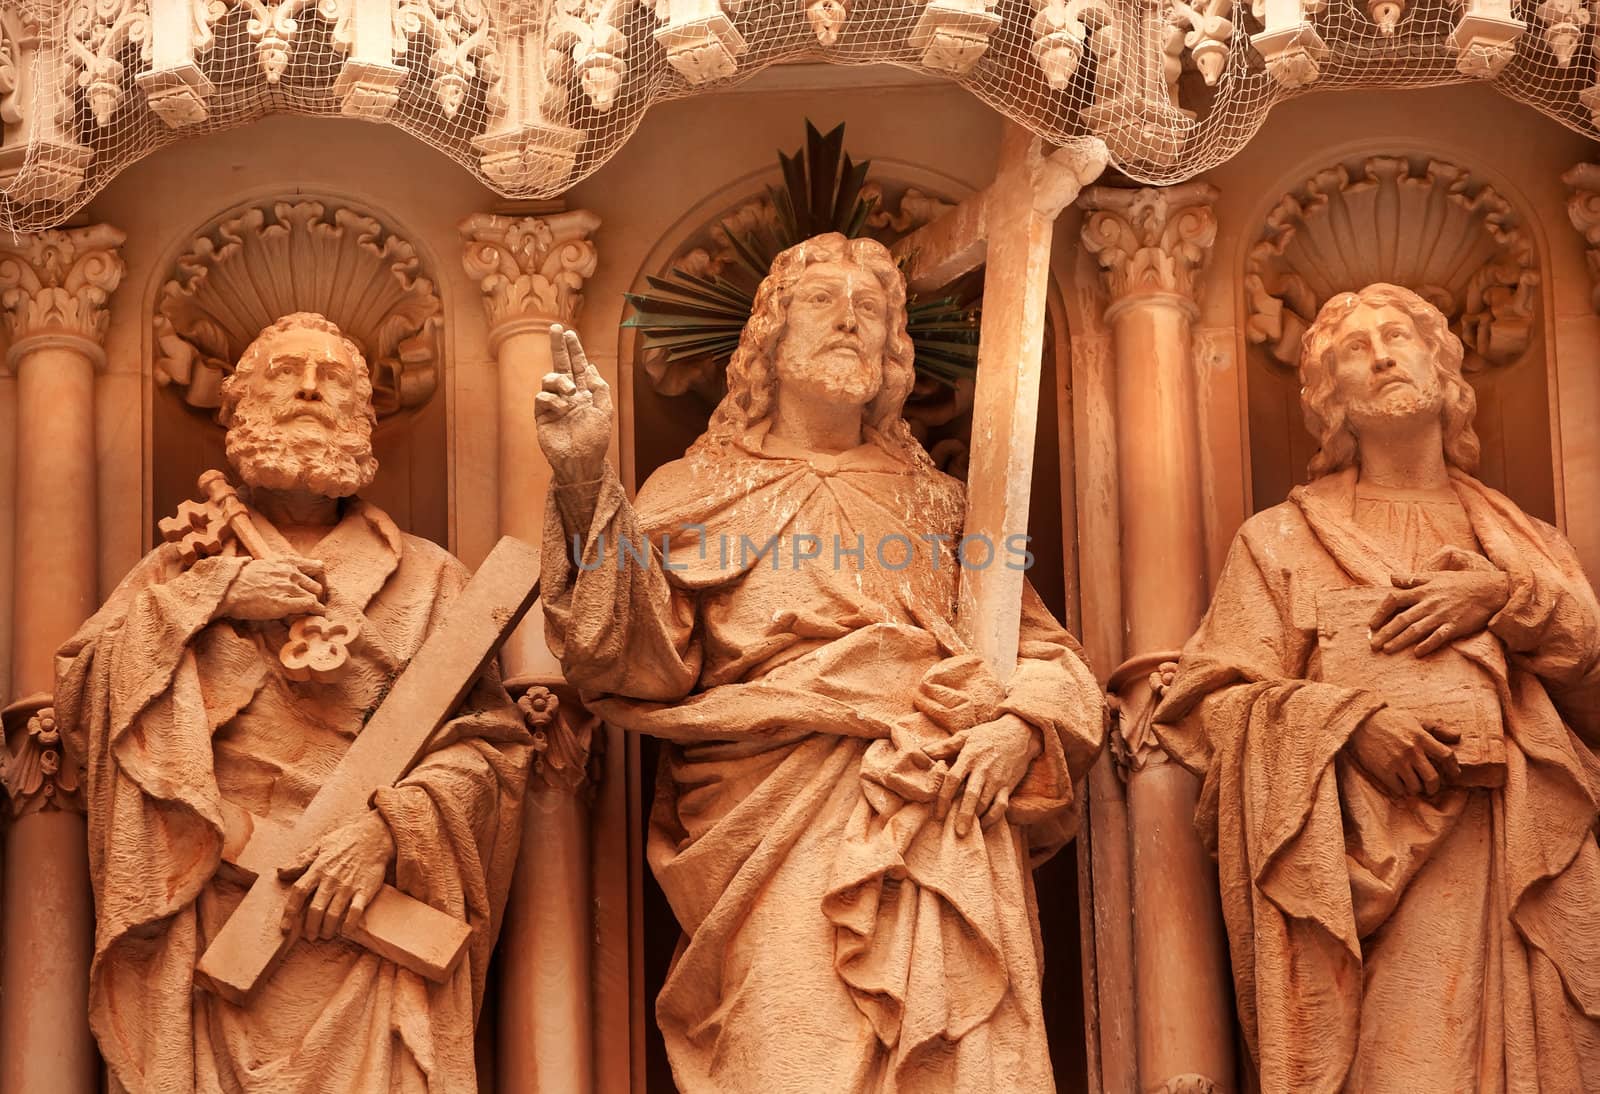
(1431, 227)
(271, 258)
(530, 269)
(37, 771)
(1151, 240)
(59, 282)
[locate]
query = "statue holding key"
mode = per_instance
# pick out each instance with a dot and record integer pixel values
(303, 787)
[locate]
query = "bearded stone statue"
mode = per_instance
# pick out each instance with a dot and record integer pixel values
(849, 801)
(1394, 702)
(192, 727)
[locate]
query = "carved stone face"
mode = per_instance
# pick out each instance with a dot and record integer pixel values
(300, 422)
(1384, 371)
(833, 341)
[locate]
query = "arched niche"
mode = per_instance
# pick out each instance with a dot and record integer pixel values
(1447, 232)
(267, 257)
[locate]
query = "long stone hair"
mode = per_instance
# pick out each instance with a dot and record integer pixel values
(752, 373)
(1327, 418)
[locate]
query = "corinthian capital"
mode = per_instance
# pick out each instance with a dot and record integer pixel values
(531, 269)
(1150, 241)
(36, 770)
(60, 281)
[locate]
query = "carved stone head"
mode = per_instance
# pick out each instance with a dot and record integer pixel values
(298, 408)
(1378, 357)
(829, 317)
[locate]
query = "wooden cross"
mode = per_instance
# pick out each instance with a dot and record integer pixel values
(1006, 227)
(423, 697)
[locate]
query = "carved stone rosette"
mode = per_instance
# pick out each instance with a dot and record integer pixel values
(1136, 688)
(1154, 240)
(567, 742)
(530, 269)
(1430, 226)
(36, 769)
(270, 258)
(59, 282)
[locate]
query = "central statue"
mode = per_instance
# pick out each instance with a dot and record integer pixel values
(849, 800)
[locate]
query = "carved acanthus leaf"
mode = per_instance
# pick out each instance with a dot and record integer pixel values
(1151, 240)
(1431, 227)
(463, 43)
(530, 268)
(271, 258)
(60, 281)
(592, 31)
(1583, 209)
(37, 770)
(566, 739)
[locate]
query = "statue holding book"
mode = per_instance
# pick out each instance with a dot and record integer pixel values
(1394, 702)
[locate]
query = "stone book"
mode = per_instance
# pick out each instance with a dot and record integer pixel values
(1446, 688)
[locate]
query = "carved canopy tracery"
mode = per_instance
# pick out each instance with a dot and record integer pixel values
(1431, 226)
(273, 257)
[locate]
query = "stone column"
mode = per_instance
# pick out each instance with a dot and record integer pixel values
(531, 271)
(54, 290)
(1151, 244)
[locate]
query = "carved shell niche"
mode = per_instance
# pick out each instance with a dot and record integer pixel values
(274, 257)
(1427, 225)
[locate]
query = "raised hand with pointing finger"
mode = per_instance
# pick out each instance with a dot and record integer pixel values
(574, 412)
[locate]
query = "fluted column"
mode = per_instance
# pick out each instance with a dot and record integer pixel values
(531, 271)
(1151, 245)
(55, 288)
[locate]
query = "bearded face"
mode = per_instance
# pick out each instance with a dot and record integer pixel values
(300, 423)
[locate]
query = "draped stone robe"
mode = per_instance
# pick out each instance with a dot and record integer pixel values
(177, 712)
(1443, 943)
(836, 936)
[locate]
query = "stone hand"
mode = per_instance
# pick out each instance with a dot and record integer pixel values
(1403, 755)
(1428, 610)
(990, 760)
(573, 412)
(340, 876)
(275, 588)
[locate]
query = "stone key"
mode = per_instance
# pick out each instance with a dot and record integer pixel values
(422, 699)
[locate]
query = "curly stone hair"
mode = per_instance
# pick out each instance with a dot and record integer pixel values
(1326, 418)
(256, 352)
(752, 373)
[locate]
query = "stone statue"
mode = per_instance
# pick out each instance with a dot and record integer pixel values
(850, 800)
(1394, 702)
(197, 734)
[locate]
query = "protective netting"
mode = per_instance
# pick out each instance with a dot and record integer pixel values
(532, 95)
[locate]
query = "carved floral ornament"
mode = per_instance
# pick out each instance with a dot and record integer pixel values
(530, 268)
(36, 770)
(60, 281)
(1430, 226)
(271, 258)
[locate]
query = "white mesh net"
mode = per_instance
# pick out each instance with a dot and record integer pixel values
(533, 95)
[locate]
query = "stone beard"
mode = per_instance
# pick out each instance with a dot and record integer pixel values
(270, 448)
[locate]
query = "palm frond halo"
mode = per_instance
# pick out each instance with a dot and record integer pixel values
(690, 315)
